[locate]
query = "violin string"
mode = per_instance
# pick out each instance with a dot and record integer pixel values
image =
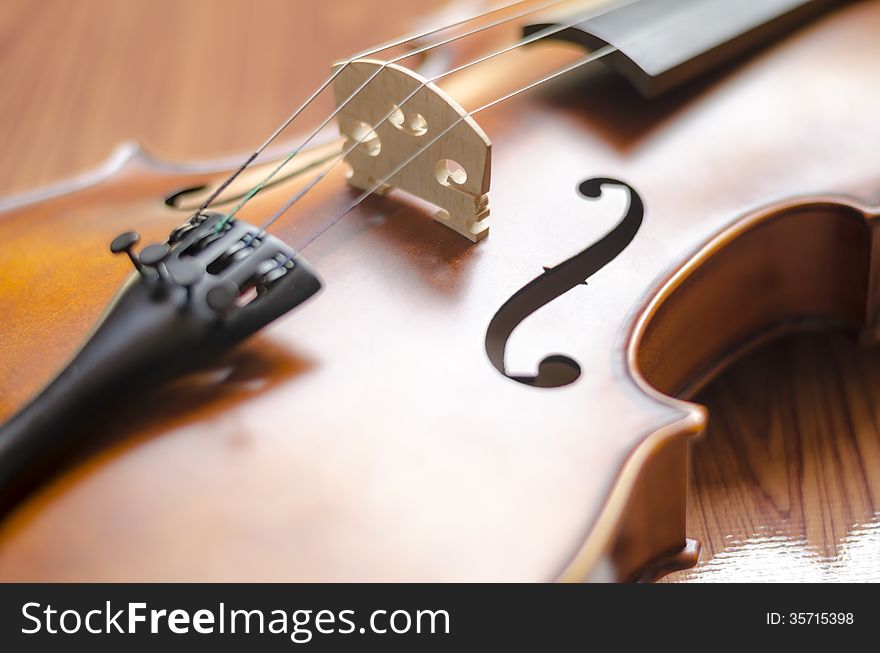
(594, 56)
(590, 58)
(340, 157)
(290, 156)
(403, 40)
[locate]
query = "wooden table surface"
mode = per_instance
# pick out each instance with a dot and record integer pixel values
(785, 485)
(786, 482)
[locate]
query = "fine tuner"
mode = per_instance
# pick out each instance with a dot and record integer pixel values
(211, 285)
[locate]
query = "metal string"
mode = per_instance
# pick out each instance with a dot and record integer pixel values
(594, 56)
(338, 158)
(366, 53)
(326, 83)
(266, 180)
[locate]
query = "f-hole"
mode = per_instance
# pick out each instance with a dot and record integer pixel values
(176, 199)
(556, 370)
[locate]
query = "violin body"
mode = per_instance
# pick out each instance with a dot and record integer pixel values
(420, 420)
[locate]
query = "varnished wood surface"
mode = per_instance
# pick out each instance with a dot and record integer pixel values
(608, 132)
(785, 482)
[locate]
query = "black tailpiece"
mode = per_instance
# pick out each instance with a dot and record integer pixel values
(212, 284)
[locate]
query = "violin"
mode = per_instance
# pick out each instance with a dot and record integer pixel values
(452, 330)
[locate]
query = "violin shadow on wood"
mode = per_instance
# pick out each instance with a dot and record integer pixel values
(246, 372)
(241, 375)
(617, 113)
(437, 257)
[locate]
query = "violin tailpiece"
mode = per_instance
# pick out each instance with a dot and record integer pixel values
(452, 173)
(213, 283)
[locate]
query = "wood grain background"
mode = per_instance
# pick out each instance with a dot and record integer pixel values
(188, 79)
(786, 482)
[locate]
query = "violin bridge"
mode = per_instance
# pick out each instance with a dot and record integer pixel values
(452, 172)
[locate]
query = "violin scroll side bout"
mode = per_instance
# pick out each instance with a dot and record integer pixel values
(418, 420)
